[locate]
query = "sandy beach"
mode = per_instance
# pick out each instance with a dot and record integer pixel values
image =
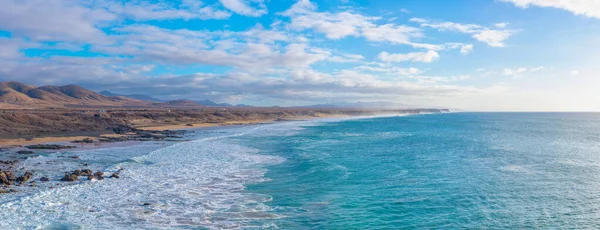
(154, 126)
(41, 140)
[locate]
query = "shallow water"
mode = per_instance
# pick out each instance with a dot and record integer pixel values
(461, 170)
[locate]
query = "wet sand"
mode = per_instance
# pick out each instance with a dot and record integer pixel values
(41, 140)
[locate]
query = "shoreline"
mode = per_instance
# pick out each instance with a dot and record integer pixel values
(12, 143)
(71, 138)
(11, 159)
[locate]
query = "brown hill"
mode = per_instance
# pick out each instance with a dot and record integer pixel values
(184, 103)
(18, 94)
(14, 93)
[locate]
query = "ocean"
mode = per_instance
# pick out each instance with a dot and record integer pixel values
(440, 171)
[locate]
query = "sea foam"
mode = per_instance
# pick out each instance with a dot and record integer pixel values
(196, 184)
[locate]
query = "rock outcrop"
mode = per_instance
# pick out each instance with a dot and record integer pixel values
(70, 177)
(115, 175)
(52, 147)
(98, 176)
(25, 177)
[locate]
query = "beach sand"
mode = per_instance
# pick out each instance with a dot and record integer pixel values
(41, 140)
(153, 126)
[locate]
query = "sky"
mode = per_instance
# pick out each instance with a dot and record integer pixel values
(484, 55)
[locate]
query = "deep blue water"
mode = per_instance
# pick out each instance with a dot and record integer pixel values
(435, 171)
(460, 170)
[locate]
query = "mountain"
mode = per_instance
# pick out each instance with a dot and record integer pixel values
(362, 105)
(183, 103)
(243, 105)
(19, 94)
(213, 104)
(132, 96)
(143, 97)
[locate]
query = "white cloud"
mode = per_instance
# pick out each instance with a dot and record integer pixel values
(52, 20)
(501, 24)
(494, 38)
(83, 21)
(574, 72)
(491, 37)
(448, 26)
(344, 24)
(346, 58)
(272, 62)
(438, 79)
(242, 7)
(465, 49)
(391, 33)
(521, 70)
(426, 57)
(244, 50)
(513, 72)
(266, 36)
(390, 70)
(589, 8)
(142, 11)
(10, 49)
(536, 69)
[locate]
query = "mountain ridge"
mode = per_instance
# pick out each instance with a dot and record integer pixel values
(19, 94)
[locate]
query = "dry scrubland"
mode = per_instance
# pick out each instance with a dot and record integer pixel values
(33, 123)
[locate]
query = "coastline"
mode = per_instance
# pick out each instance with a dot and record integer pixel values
(15, 153)
(44, 170)
(10, 143)
(99, 139)
(67, 139)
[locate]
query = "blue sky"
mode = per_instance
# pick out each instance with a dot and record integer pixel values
(470, 54)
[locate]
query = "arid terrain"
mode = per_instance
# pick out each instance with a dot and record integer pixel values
(36, 123)
(30, 115)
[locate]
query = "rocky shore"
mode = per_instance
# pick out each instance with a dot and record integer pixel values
(97, 127)
(10, 182)
(30, 124)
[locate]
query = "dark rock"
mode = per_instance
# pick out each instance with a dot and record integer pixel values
(4, 179)
(70, 177)
(4, 191)
(77, 172)
(74, 157)
(145, 135)
(12, 190)
(191, 125)
(10, 175)
(86, 172)
(86, 140)
(146, 204)
(115, 175)
(7, 178)
(123, 129)
(99, 175)
(25, 177)
(53, 147)
(44, 179)
(25, 152)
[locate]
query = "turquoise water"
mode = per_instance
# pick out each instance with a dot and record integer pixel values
(463, 170)
(440, 171)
